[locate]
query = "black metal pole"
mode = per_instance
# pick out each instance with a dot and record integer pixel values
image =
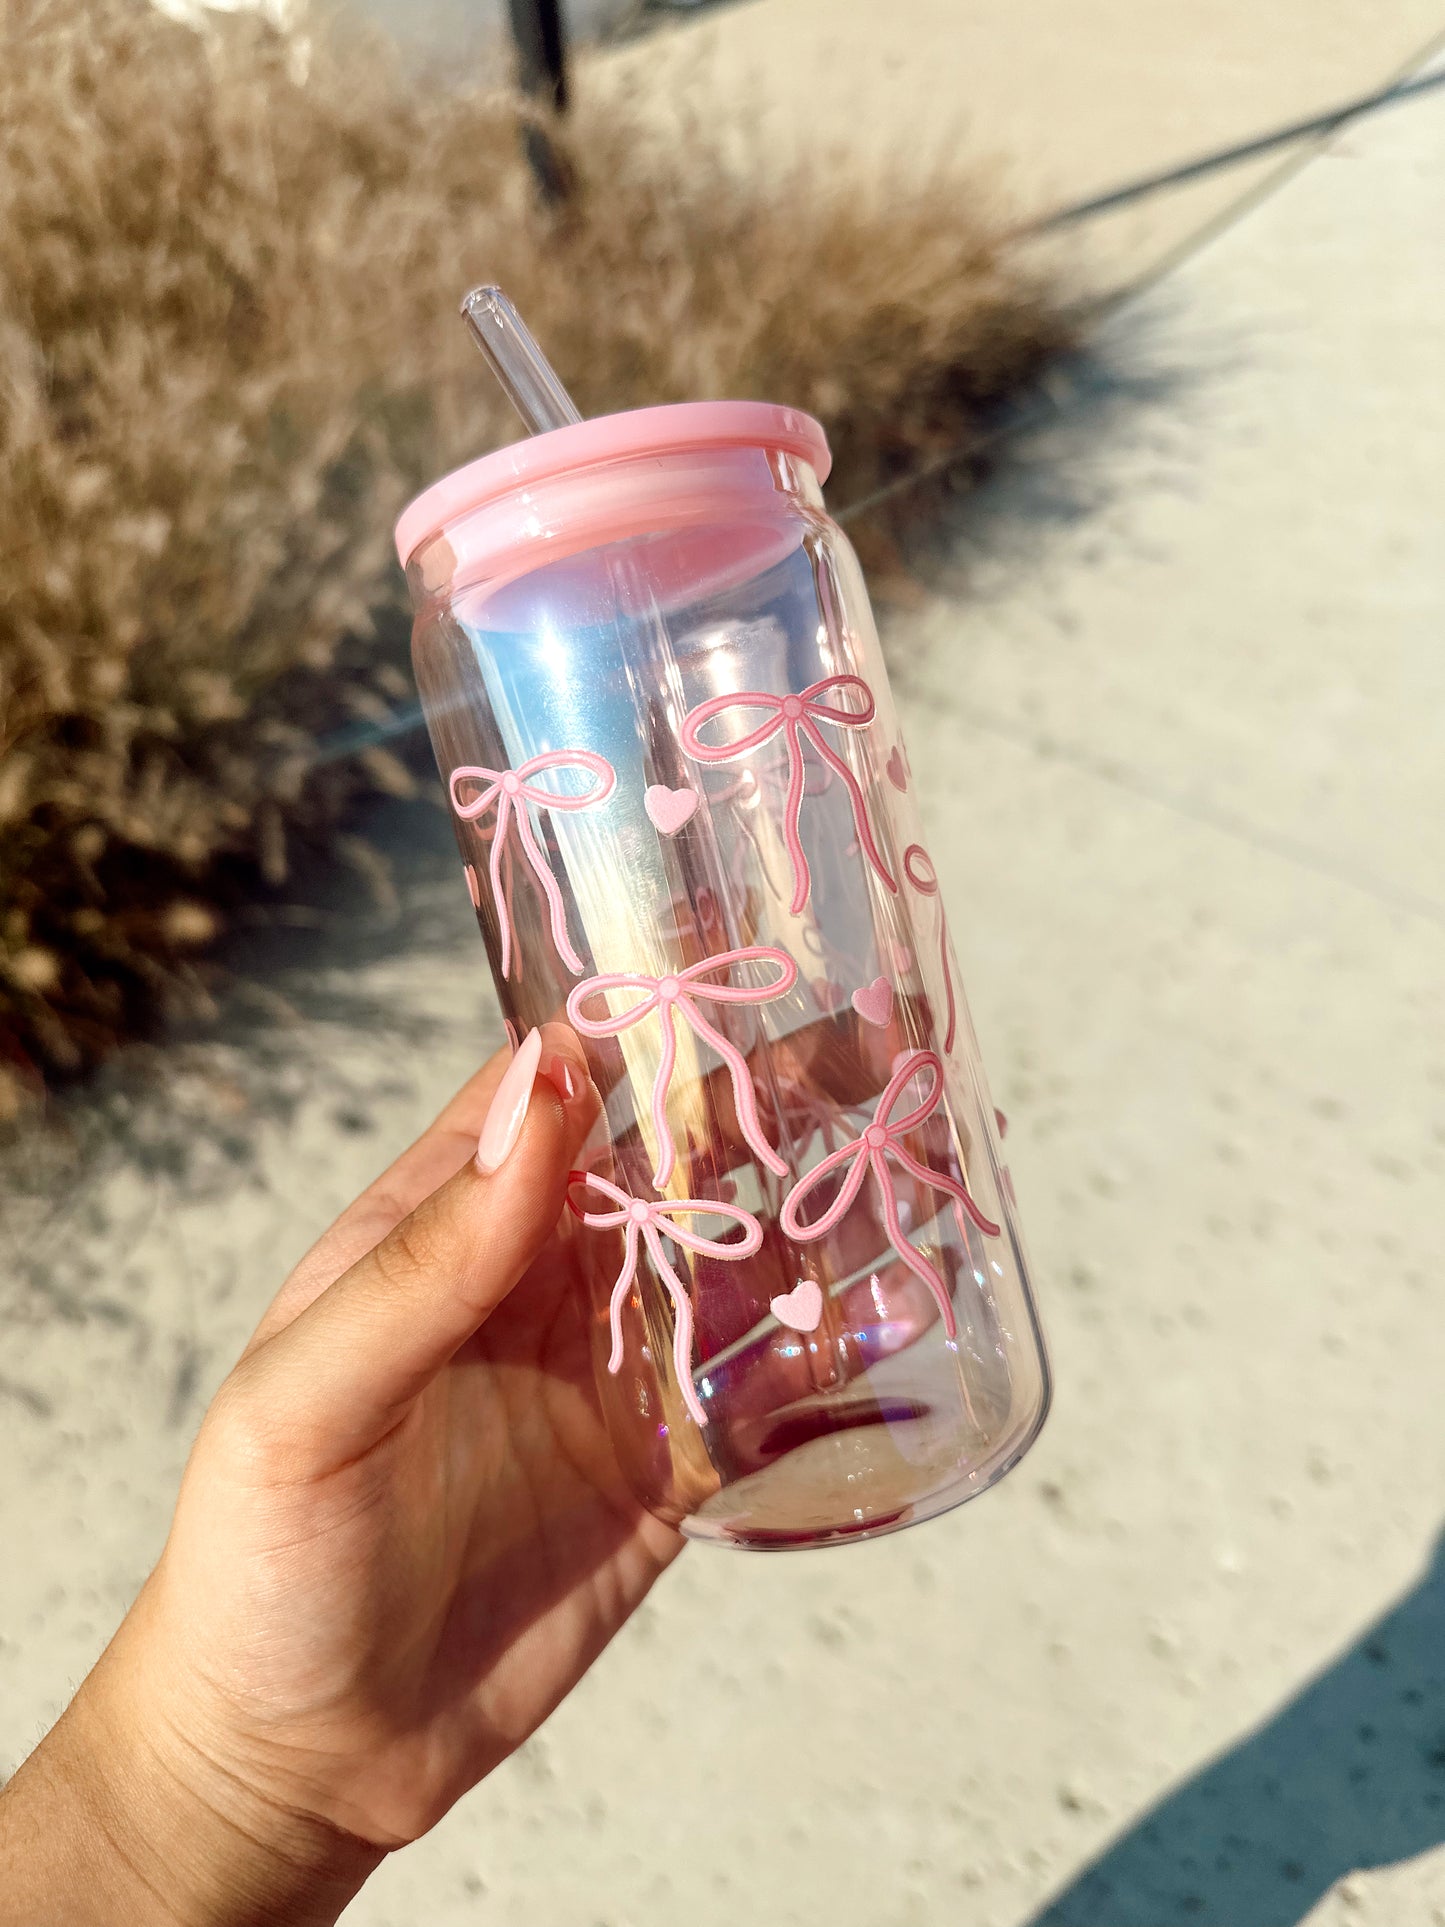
(541, 38)
(541, 50)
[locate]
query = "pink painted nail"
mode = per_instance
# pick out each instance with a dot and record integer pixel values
(561, 1074)
(503, 1123)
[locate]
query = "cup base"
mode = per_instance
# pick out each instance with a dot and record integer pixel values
(804, 1501)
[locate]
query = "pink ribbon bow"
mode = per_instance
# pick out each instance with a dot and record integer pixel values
(676, 996)
(883, 1140)
(796, 717)
(918, 868)
(511, 792)
(647, 1222)
(763, 790)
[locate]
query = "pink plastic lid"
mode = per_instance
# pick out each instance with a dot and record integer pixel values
(606, 439)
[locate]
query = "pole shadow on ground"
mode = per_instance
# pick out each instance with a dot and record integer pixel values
(1349, 1774)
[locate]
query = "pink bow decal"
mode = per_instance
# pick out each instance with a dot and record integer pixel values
(796, 717)
(918, 868)
(676, 996)
(882, 1140)
(647, 1222)
(510, 791)
(764, 790)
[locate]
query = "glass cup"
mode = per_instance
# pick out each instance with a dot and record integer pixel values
(686, 819)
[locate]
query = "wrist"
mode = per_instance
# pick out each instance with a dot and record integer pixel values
(129, 1820)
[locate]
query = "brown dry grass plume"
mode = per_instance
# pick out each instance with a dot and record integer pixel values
(229, 266)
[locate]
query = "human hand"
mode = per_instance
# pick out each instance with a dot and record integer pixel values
(401, 1538)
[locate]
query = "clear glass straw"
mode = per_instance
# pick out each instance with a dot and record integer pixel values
(527, 377)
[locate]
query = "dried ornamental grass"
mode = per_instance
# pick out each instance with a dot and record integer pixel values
(229, 265)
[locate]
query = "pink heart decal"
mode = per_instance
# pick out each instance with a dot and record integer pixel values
(897, 768)
(902, 958)
(670, 809)
(875, 1004)
(801, 1308)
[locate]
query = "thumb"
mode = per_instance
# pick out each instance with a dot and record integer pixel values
(340, 1376)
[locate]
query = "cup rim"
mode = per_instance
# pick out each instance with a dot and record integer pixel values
(634, 433)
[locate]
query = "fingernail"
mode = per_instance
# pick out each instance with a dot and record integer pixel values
(561, 1073)
(503, 1123)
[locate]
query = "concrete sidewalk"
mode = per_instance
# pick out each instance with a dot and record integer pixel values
(1056, 102)
(1178, 710)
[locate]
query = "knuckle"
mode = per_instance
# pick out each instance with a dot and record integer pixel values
(240, 1425)
(412, 1249)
